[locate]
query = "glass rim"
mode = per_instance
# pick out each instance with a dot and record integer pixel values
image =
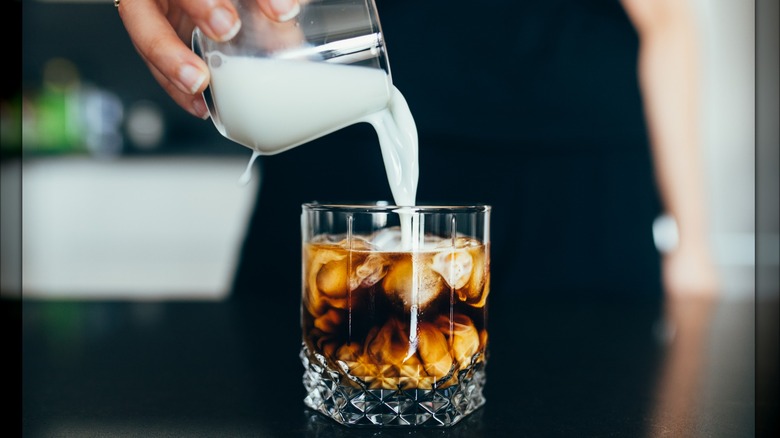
(387, 207)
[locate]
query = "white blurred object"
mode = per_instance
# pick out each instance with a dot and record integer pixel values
(102, 113)
(728, 45)
(145, 125)
(665, 233)
(143, 228)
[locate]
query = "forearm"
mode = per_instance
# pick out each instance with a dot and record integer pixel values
(668, 74)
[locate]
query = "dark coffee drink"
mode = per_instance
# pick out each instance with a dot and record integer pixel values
(396, 320)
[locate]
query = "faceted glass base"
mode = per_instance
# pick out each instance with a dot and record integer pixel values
(358, 406)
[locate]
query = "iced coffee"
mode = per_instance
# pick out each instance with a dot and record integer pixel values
(396, 320)
(389, 331)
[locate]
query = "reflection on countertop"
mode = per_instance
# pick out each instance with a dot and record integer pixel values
(582, 367)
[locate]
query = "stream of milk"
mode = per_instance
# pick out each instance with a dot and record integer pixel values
(271, 106)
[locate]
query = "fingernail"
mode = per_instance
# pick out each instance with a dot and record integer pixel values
(190, 78)
(199, 108)
(286, 9)
(224, 24)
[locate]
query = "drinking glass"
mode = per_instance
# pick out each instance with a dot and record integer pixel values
(394, 312)
(277, 85)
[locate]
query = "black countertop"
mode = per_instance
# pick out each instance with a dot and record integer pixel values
(587, 367)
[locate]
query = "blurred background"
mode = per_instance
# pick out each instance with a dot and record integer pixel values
(127, 196)
(124, 194)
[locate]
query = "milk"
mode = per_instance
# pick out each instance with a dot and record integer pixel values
(247, 175)
(272, 105)
(397, 135)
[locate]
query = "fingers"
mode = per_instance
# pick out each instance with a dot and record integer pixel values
(194, 104)
(280, 10)
(161, 32)
(218, 19)
(182, 73)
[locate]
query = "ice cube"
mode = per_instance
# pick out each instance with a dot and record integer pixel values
(475, 293)
(387, 239)
(332, 278)
(409, 275)
(433, 350)
(318, 301)
(459, 241)
(462, 336)
(369, 272)
(357, 243)
(454, 266)
(389, 344)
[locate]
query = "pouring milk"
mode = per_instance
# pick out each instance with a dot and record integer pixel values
(271, 105)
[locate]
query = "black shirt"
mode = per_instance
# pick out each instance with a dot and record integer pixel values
(532, 107)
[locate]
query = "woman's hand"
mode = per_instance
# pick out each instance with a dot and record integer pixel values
(161, 31)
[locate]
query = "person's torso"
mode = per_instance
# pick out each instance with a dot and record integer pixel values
(547, 73)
